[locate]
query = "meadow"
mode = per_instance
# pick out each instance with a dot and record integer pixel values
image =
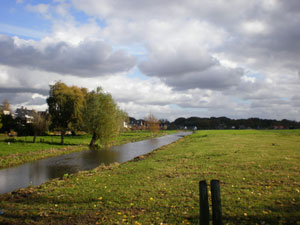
(258, 171)
(18, 150)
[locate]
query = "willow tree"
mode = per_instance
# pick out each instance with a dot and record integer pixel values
(102, 117)
(1, 119)
(40, 124)
(65, 107)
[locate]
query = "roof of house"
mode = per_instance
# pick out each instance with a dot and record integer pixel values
(24, 113)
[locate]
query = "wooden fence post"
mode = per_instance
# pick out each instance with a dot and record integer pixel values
(216, 202)
(204, 207)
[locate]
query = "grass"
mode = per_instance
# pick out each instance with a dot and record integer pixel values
(259, 173)
(21, 149)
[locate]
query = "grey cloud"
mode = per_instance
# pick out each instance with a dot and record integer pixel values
(268, 103)
(4, 90)
(87, 59)
(16, 98)
(215, 78)
(190, 68)
(127, 8)
(218, 11)
(296, 101)
(292, 6)
(276, 47)
(23, 95)
(172, 63)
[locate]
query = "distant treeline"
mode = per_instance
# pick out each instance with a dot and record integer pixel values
(227, 123)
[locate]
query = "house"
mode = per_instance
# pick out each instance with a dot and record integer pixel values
(141, 123)
(25, 114)
(164, 124)
(136, 124)
(278, 127)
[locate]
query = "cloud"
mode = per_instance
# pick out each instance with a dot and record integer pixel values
(254, 27)
(24, 90)
(37, 101)
(39, 8)
(89, 58)
(242, 30)
(197, 58)
(175, 62)
(187, 67)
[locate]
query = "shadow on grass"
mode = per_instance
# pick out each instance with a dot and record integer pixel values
(69, 215)
(53, 217)
(289, 216)
(30, 141)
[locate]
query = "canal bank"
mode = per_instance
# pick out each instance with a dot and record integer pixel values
(37, 172)
(20, 150)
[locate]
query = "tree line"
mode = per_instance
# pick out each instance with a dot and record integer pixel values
(227, 123)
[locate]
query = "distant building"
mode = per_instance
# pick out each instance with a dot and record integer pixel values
(164, 124)
(136, 124)
(25, 114)
(278, 127)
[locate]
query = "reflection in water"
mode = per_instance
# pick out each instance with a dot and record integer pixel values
(37, 172)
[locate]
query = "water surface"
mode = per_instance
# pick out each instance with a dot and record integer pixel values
(37, 172)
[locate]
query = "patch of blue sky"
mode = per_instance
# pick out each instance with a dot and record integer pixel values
(242, 101)
(256, 75)
(136, 73)
(101, 23)
(22, 32)
(83, 18)
(285, 99)
(137, 50)
(15, 20)
(174, 106)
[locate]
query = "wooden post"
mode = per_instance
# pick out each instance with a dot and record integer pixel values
(216, 202)
(204, 207)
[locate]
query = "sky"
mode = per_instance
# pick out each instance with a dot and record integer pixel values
(204, 58)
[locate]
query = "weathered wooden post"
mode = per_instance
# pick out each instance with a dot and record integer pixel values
(216, 202)
(204, 207)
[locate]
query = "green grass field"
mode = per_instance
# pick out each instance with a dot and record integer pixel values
(21, 150)
(259, 173)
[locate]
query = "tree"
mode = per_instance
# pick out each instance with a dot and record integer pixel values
(65, 107)
(0, 119)
(8, 123)
(40, 125)
(153, 123)
(78, 123)
(6, 105)
(103, 118)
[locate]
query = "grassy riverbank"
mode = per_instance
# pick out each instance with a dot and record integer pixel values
(259, 173)
(15, 151)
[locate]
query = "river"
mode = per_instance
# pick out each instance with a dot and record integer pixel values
(38, 172)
